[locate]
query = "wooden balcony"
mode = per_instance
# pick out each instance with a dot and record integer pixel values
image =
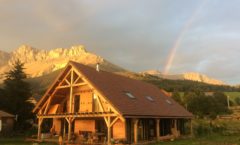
(77, 115)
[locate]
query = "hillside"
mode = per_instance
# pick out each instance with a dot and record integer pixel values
(40, 84)
(193, 76)
(43, 66)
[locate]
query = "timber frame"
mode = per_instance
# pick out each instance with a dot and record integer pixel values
(70, 81)
(60, 103)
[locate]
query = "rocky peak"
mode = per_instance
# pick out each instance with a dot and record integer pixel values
(39, 62)
(67, 52)
(201, 78)
(193, 76)
(24, 53)
(152, 72)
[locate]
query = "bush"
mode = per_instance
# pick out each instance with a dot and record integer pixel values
(201, 128)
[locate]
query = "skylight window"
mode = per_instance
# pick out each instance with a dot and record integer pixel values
(130, 95)
(150, 98)
(169, 102)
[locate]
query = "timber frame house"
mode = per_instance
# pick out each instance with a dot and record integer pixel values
(85, 100)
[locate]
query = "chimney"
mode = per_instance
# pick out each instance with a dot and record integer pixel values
(98, 67)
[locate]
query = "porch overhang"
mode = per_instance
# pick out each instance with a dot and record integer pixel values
(77, 115)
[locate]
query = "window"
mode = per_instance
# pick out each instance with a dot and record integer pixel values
(130, 95)
(76, 103)
(150, 98)
(169, 102)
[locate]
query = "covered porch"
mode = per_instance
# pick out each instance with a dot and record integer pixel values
(141, 130)
(85, 127)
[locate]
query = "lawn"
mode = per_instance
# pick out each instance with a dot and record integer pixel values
(207, 140)
(20, 141)
(232, 95)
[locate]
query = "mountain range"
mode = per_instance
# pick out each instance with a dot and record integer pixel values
(193, 76)
(41, 63)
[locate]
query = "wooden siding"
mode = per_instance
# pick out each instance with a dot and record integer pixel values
(84, 125)
(57, 125)
(119, 131)
(86, 102)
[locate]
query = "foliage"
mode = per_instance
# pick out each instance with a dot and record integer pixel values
(187, 85)
(177, 97)
(208, 106)
(203, 105)
(237, 100)
(16, 94)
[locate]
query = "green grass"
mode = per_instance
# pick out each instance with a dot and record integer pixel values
(215, 139)
(233, 95)
(20, 141)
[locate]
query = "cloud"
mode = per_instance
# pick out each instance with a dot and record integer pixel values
(134, 34)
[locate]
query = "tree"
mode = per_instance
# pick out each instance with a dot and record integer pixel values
(237, 100)
(206, 106)
(177, 97)
(16, 93)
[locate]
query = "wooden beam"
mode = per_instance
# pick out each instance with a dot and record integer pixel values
(135, 125)
(158, 129)
(41, 110)
(76, 79)
(69, 120)
(101, 106)
(109, 131)
(114, 121)
(67, 81)
(71, 85)
(40, 120)
(110, 106)
(84, 115)
(69, 131)
(175, 124)
(65, 78)
(97, 92)
(48, 102)
(71, 93)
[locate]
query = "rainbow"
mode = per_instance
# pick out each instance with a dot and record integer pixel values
(179, 39)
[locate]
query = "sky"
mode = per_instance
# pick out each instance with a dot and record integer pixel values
(172, 36)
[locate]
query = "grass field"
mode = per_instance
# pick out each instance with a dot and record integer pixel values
(19, 141)
(207, 140)
(233, 95)
(207, 132)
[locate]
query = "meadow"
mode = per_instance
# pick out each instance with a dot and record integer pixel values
(206, 132)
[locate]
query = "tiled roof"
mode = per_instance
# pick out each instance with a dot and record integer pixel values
(114, 88)
(5, 114)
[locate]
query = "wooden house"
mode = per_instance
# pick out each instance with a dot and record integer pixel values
(6, 122)
(84, 100)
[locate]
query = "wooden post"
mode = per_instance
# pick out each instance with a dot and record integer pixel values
(158, 129)
(69, 131)
(135, 124)
(71, 93)
(109, 130)
(69, 120)
(191, 127)
(39, 128)
(64, 129)
(175, 124)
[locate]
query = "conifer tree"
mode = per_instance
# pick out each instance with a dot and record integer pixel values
(16, 93)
